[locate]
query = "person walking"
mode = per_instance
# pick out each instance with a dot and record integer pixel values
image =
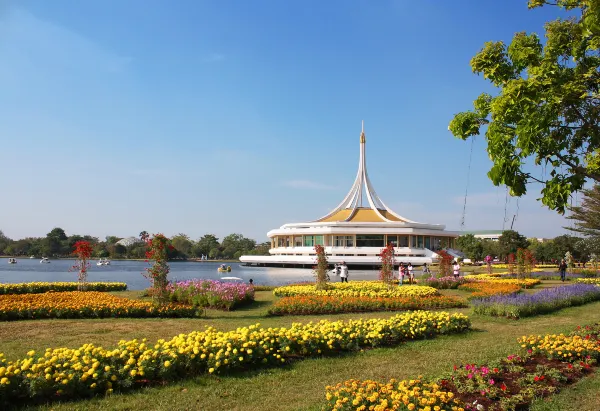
(562, 268)
(456, 269)
(401, 273)
(344, 272)
(426, 270)
(411, 273)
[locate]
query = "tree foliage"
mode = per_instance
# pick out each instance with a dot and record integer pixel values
(587, 215)
(547, 107)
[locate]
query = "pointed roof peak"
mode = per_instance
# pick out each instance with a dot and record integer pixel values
(362, 133)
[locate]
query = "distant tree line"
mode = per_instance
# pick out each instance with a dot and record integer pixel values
(546, 251)
(57, 244)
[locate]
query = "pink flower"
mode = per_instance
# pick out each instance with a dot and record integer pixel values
(469, 376)
(491, 381)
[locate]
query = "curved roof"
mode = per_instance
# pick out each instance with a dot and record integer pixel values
(351, 209)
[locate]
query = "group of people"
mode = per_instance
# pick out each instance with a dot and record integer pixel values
(404, 271)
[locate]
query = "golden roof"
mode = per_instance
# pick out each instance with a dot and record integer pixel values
(361, 215)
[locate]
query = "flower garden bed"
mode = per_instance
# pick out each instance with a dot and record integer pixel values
(446, 283)
(508, 384)
(64, 373)
(357, 289)
(522, 282)
(544, 301)
(42, 287)
(324, 304)
(83, 304)
(588, 280)
(481, 289)
(211, 294)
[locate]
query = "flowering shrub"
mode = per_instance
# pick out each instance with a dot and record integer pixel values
(321, 269)
(82, 304)
(91, 370)
(544, 301)
(211, 294)
(319, 304)
(41, 287)
(510, 383)
(489, 288)
(444, 283)
(356, 289)
(157, 249)
(83, 252)
(386, 272)
(444, 264)
(393, 395)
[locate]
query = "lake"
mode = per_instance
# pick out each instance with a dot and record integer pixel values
(130, 272)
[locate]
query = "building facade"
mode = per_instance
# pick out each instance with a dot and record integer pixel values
(355, 232)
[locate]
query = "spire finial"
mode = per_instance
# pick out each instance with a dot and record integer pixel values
(362, 133)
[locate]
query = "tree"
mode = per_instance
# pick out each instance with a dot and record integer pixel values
(55, 243)
(471, 246)
(547, 108)
(206, 244)
(386, 273)
(510, 241)
(83, 251)
(234, 243)
(587, 215)
(4, 243)
(182, 244)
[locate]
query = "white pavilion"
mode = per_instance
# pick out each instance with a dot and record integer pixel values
(355, 232)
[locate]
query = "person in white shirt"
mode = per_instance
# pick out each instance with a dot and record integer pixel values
(344, 272)
(411, 273)
(456, 269)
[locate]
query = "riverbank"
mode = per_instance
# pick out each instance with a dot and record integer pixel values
(123, 259)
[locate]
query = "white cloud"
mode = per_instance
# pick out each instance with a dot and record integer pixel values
(307, 185)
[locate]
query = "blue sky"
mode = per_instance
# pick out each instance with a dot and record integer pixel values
(239, 116)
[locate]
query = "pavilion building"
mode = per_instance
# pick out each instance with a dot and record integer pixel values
(355, 232)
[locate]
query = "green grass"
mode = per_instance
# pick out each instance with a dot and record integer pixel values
(301, 384)
(582, 396)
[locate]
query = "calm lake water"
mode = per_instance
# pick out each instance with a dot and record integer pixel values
(130, 272)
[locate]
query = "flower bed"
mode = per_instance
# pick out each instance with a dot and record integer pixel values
(508, 384)
(488, 288)
(83, 304)
(588, 280)
(41, 287)
(89, 370)
(446, 283)
(524, 282)
(544, 301)
(210, 293)
(323, 304)
(357, 289)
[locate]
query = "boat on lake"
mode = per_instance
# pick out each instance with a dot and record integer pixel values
(44, 260)
(224, 269)
(12, 260)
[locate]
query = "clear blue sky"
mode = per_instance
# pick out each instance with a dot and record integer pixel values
(239, 116)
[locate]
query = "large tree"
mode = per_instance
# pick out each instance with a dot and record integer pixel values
(547, 107)
(510, 241)
(587, 215)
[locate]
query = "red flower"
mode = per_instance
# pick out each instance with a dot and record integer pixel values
(503, 387)
(536, 378)
(496, 370)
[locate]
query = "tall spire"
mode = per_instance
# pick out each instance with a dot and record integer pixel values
(362, 133)
(353, 200)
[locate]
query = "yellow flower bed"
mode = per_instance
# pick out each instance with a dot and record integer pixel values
(561, 346)
(83, 304)
(537, 266)
(42, 287)
(393, 395)
(588, 280)
(92, 370)
(525, 282)
(357, 289)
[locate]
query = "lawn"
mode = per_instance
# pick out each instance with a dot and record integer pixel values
(301, 384)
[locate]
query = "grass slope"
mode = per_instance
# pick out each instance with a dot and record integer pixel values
(299, 385)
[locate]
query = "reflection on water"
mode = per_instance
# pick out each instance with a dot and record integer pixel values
(130, 272)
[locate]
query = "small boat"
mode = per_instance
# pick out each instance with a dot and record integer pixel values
(45, 260)
(103, 262)
(231, 279)
(12, 260)
(224, 269)
(33, 256)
